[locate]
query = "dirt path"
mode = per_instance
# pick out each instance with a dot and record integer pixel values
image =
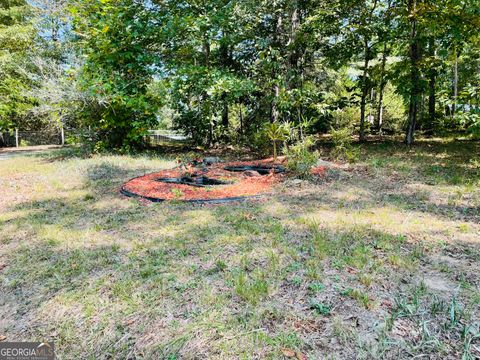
(10, 152)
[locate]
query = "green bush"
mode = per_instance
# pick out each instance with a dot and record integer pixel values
(345, 118)
(342, 145)
(259, 143)
(301, 158)
(24, 143)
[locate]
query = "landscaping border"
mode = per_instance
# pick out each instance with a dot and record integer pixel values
(127, 193)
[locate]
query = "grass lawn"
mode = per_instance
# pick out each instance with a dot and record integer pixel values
(379, 260)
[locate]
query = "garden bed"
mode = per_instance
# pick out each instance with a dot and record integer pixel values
(219, 182)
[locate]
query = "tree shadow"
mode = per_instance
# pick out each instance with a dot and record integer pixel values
(368, 193)
(433, 162)
(159, 256)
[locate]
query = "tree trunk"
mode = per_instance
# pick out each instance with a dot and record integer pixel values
(363, 101)
(383, 83)
(293, 56)
(431, 90)
(241, 119)
(206, 49)
(226, 61)
(455, 84)
(412, 119)
(225, 115)
(275, 112)
(414, 75)
(276, 87)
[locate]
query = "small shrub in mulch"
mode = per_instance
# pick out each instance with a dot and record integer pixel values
(214, 183)
(217, 182)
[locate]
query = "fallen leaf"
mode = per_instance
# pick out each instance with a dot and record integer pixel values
(2, 337)
(288, 352)
(387, 303)
(301, 356)
(351, 270)
(249, 216)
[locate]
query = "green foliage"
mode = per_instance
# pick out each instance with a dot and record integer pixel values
(17, 36)
(469, 118)
(316, 287)
(219, 70)
(276, 133)
(346, 117)
(342, 145)
(321, 308)
(118, 69)
(259, 142)
(301, 158)
(251, 288)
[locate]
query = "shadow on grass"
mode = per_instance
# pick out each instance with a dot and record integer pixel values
(174, 270)
(429, 161)
(369, 194)
(231, 261)
(159, 264)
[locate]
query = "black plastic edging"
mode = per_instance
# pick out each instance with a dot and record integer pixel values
(196, 201)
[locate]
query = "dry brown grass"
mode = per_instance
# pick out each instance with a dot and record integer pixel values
(379, 260)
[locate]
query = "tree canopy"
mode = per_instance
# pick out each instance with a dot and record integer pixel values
(17, 35)
(219, 70)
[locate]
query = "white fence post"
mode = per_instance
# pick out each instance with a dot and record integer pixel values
(16, 137)
(63, 136)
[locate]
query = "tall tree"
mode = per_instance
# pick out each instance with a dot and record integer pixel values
(366, 27)
(414, 58)
(385, 36)
(116, 38)
(17, 36)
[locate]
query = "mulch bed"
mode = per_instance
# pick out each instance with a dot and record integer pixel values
(241, 185)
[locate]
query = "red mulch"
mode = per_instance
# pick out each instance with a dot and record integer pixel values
(319, 171)
(243, 186)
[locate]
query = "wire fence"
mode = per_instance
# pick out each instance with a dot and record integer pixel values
(32, 138)
(18, 138)
(161, 137)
